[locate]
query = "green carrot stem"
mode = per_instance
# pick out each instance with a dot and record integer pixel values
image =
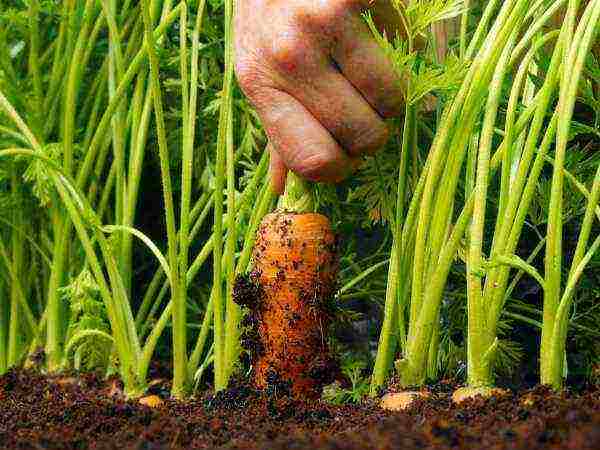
(480, 334)
(220, 175)
(231, 344)
(179, 321)
(298, 196)
(554, 328)
(387, 335)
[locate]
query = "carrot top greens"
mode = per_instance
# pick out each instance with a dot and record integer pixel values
(134, 184)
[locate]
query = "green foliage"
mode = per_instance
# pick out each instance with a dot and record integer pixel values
(354, 370)
(376, 188)
(37, 175)
(443, 80)
(86, 312)
(421, 15)
(122, 296)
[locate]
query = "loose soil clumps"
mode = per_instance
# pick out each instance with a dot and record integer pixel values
(38, 412)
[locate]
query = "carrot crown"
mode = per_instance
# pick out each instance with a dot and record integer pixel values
(298, 196)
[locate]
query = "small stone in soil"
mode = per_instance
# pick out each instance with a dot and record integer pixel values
(152, 401)
(400, 401)
(466, 393)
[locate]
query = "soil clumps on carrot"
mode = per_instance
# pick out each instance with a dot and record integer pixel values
(288, 294)
(39, 412)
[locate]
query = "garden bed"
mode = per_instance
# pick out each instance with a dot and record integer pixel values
(86, 412)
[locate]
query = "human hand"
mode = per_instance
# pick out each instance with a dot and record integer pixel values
(319, 81)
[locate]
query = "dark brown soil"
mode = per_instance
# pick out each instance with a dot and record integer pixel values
(68, 412)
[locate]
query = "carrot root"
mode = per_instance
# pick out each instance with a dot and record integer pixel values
(288, 293)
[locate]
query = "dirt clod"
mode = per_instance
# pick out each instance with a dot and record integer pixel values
(152, 401)
(246, 291)
(468, 393)
(401, 401)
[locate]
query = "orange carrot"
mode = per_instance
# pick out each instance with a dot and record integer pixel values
(294, 271)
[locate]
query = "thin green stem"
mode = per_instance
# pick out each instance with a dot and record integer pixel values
(551, 371)
(556, 307)
(480, 333)
(179, 330)
(464, 23)
(220, 175)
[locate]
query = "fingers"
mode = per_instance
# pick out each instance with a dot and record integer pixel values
(349, 103)
(363, 62)
(340, 109)
(319, 82)
(300, 143)
(278, 171)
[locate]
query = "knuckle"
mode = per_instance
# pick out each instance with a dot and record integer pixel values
(249, 75)
(314, 167)
(326, 17)
(317, 166)
(326, 14)
(289, 50)
(345, 7)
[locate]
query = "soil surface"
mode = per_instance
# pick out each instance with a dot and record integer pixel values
(38, 412)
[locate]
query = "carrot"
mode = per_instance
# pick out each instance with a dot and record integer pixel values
(292, 281)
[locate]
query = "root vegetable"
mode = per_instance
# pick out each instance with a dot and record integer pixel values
(293, 279)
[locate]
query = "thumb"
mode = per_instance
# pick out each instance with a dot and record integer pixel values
(277, 169)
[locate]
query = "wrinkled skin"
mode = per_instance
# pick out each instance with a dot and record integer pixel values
(318, 80)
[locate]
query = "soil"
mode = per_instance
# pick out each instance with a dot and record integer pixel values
(69, 412)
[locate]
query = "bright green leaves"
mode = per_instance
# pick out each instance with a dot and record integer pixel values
(37, 173)
(87, 314)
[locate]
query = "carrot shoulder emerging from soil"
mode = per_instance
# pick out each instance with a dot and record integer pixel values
(288, 292)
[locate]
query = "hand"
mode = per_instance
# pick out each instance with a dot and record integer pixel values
(319, 82)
